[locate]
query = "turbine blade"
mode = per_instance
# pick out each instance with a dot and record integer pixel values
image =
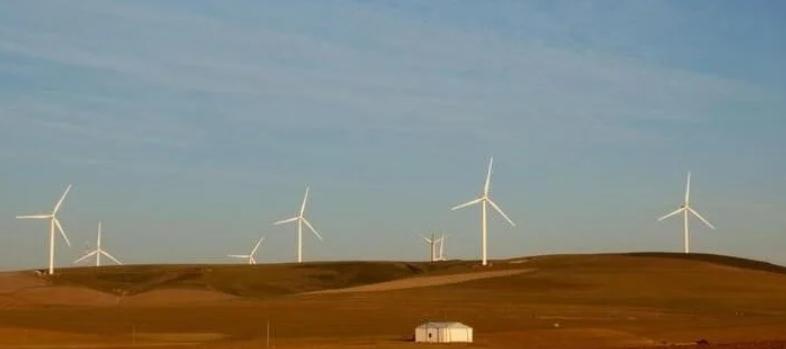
(238, 256)
(288, 220)
(487, 186)
(35, 216)
(90, 254)
(259, 243)
(501, 213)
(311, 227)
(62, 232)
(60, 202)
(427, 239)
(701, 218)
(303, 205)
(677, 211)
(110, 257)
(687, 190)
(469, 203)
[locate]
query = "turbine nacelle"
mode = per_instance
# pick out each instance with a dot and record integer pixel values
(486, 200)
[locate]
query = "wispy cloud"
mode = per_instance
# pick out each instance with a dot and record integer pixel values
(349, 92)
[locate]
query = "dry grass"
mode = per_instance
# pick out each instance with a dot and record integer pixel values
(570, 301)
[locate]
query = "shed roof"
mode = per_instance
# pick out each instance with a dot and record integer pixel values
(443, 324)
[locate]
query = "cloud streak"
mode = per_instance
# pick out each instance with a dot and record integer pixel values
(374, 96)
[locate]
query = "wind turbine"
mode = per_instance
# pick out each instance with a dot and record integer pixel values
(485, 201)
(250, 256)
(686, 210)
(432, 245)
(441, 255)
(301, 220)
(53, 223)
(98, 252)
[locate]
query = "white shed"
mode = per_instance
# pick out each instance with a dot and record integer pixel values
(443, 332)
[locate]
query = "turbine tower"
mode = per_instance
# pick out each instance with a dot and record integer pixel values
(250, 256)
(686, 210)
(53, 223)
(98, 252)
(484, 200)
(301, 220)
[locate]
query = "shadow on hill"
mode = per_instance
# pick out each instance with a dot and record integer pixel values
(717, 259)
(256, 281)
(270, 280)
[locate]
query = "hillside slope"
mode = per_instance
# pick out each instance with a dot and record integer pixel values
(561, 301)
(253, 281)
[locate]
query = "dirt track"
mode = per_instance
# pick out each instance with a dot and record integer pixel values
(425, 281)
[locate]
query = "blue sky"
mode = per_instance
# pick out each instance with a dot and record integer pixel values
(188, 127)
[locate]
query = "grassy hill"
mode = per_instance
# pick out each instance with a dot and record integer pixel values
(257, 281)
(718, 259)
(559, 301)
(281, 279)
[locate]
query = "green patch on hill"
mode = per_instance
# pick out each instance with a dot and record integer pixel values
(245, 280)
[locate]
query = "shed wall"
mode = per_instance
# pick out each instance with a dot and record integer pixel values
(443, 335)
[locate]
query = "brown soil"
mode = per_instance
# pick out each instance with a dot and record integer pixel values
(570, 301)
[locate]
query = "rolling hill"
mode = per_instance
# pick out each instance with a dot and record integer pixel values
(559, 301)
